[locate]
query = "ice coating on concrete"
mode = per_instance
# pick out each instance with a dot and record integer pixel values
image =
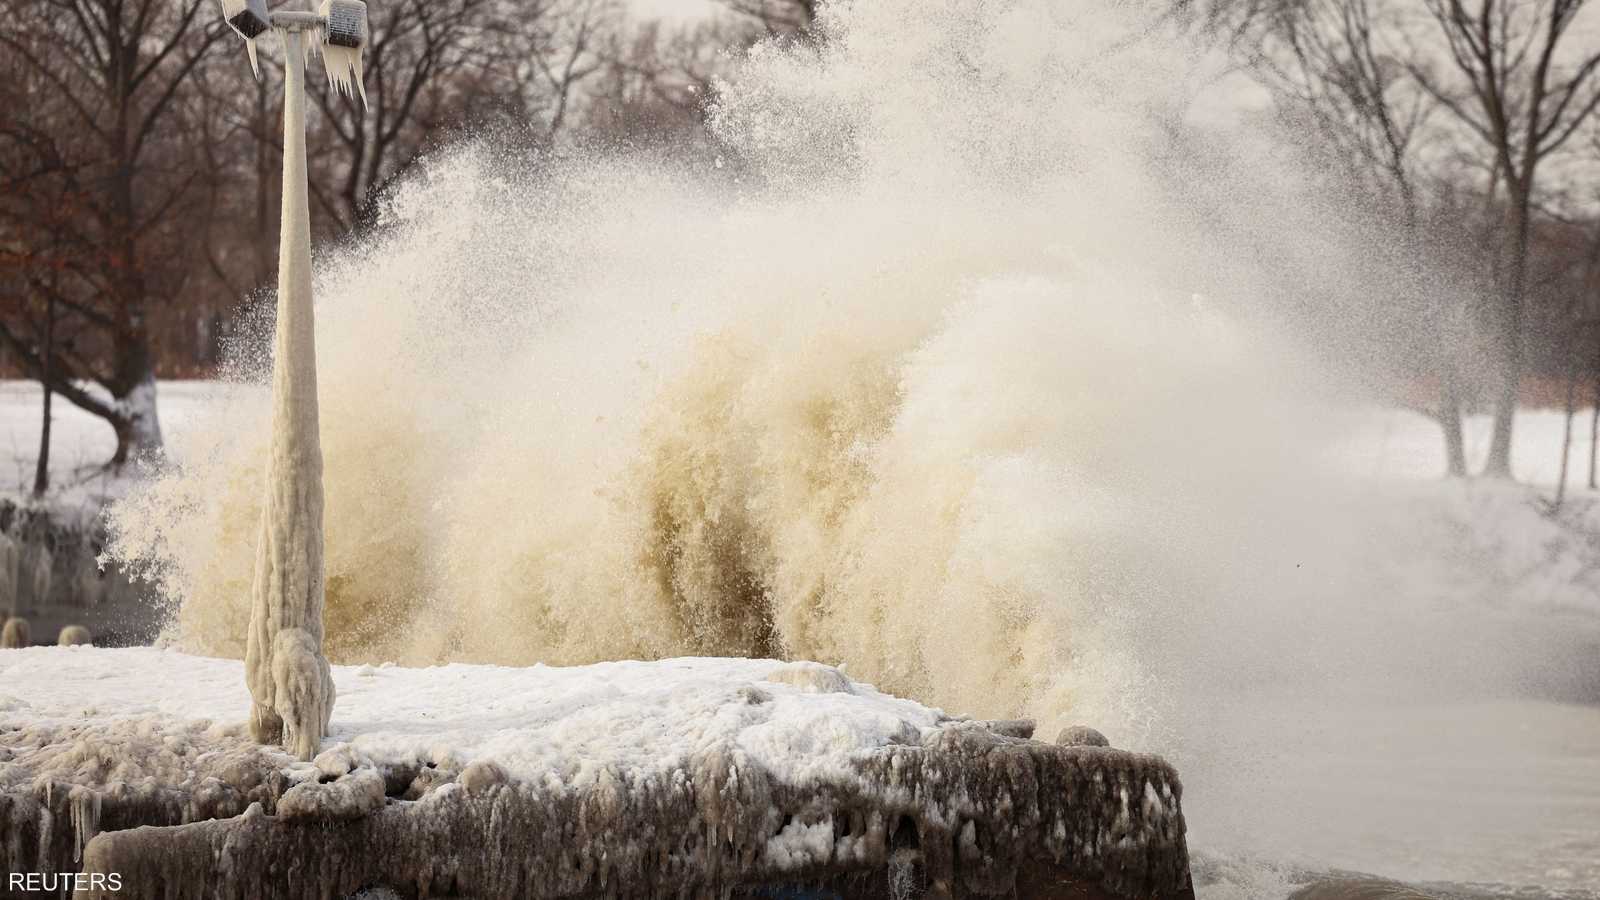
(291, 690)
(622, 779)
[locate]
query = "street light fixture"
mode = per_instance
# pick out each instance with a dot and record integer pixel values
(342, 25)
(290, 684)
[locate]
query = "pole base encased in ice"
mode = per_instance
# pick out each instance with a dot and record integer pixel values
(288, 675)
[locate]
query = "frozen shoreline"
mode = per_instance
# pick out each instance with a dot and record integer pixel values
(629, 779)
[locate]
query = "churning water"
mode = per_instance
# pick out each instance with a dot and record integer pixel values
(966, 361)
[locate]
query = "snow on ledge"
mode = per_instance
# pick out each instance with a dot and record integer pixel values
(540, 724)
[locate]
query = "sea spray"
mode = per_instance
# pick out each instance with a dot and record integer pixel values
(978, 366)
(967, 370)
(931, 390)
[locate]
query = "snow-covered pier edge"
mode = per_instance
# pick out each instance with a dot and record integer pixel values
(892, 797)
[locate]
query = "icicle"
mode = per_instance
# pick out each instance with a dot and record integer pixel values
(344, 70)
(344, 36)
(47, 826)
(84, 804)
(249, 18)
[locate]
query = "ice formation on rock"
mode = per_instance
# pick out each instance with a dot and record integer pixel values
(534, 786)
(284, 666)
(971, 810)
(813, 678)
(10, 553)
(1081, 736)
(62, 783)
(15, 634)
(27, 538)
(51, 572)
(39, 562)
(1014, 728)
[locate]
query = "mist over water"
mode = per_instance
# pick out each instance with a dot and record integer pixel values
(964, 364)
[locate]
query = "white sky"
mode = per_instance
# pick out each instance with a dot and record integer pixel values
(674, 10)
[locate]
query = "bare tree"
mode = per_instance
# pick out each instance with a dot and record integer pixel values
(103, 78)
(657, 85)
(1583, 313)
(418, 51)
(778, 18)
(41, 470)
(545, 53)
(1334, 65)
(436, 66)
(1515, 78)
(1584, 335)
(1594, 376)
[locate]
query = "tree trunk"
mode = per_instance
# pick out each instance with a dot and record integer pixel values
(1509, 337)
(137, 425)
(133, 378)
(1509, 342)
(1455, 445)
(1505, 411)
(41, 473)
(1571, 411)
(1594, 434)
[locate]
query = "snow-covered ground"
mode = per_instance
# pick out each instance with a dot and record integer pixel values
(80, 444)
(1485, 542)
(1399, 443)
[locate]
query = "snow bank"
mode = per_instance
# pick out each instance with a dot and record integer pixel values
(1487, 545)
(80, 444)
(1400, 443)
(617, 779)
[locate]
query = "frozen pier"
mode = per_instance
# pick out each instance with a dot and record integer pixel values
(685, 777)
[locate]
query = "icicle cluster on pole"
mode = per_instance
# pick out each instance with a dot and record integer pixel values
(341, 27)
(291, 687)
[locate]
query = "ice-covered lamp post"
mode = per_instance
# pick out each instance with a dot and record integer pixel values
(290, 685)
